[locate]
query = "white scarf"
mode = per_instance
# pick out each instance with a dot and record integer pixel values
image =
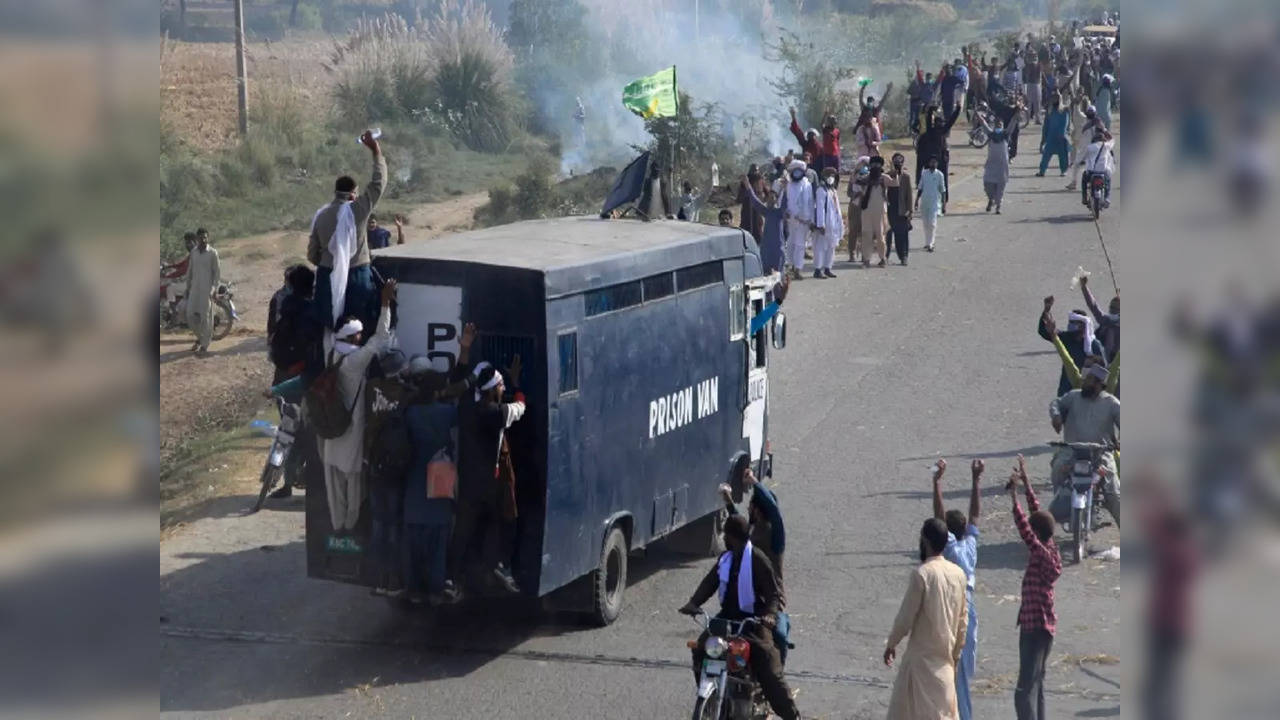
(1087, 322)
(746, 588)
(341, 246)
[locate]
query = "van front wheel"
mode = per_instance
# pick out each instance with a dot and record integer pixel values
(609, 579)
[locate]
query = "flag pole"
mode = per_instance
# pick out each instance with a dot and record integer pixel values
(675, 89)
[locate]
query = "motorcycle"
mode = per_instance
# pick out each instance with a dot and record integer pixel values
(1084, 487)
(726, 688)
(1097, 193)
(173, 307)
(281, 462)
(978, 134)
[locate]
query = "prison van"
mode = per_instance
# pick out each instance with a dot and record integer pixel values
(645, 389)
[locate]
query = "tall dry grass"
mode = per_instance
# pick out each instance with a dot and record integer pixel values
(450, 68)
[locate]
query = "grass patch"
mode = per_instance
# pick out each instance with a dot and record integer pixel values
(197, 470)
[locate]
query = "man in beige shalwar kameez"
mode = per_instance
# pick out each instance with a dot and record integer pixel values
(203, 276)
(935, 614)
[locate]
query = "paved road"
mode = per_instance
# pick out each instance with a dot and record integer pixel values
(885, 370)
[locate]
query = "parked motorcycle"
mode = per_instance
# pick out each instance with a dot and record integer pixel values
(282, 464)
(1084, 488)
(173, 307)
(726, 688)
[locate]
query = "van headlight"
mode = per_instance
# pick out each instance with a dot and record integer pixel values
(716, 647)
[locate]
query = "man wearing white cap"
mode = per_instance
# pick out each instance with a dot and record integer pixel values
(344, 455)
(484, 500)
(800, 208)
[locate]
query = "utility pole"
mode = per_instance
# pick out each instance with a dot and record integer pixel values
(242, 80)
(697, 29)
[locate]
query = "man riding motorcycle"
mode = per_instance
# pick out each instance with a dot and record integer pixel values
(1098, 159)
(748, 587)
(1089, 414)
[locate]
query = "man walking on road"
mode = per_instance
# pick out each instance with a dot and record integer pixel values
(1036, 616)
(929, 200)
(1053, 137)
(900, 202)
(935, 614)
(203, 276)
(339, 247)
(962, 549)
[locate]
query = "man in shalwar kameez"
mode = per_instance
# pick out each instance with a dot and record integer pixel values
(203, 276)
(935, 613)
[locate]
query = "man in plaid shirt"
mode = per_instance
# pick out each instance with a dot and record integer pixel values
(1036, 617)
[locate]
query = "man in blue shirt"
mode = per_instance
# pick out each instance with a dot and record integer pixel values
(962, 549)
(380, 237)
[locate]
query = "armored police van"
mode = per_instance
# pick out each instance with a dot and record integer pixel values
(645, 389)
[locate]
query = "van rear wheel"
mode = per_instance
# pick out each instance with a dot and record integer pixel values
(609, 579)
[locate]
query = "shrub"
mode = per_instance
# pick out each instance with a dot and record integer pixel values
(308, 18)
(376, 55)
(533, 190)
(810, 81)
(471, 74)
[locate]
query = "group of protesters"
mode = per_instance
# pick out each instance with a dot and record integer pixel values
(793, 206)
(420, 441)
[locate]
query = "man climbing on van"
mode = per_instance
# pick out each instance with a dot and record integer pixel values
(486, 493)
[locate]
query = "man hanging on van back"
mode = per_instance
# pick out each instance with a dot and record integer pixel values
(339, 247)
(483, 501)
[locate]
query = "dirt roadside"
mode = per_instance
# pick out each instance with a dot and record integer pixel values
(206, 403)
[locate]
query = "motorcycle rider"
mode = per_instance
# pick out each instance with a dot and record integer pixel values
(1098, 159)
(748, 587)
(1089, 414)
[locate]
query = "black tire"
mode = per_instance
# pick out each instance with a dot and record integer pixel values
(1079, 516)
(222, 322)
(270, 474)
(978, 138)
(703, 708)
(1096, 204)
(609, 579)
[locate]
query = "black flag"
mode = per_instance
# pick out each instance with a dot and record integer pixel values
(628, 186)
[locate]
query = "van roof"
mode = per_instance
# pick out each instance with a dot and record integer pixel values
(582, 253)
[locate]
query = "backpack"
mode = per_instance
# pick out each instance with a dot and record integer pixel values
(322, 405)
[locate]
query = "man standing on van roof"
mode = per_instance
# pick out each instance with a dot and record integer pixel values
(339, 247)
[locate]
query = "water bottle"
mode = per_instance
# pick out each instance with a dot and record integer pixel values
(1080, 274)
(375, 132)
(715, 174)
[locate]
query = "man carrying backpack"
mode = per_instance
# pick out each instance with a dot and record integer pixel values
(343, 452)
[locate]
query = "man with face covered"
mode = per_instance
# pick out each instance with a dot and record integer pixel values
(1090, 414)
(899, 207)
(830, 225)
(799, 200)
(1079, 337)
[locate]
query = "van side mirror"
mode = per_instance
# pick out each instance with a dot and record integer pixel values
(779, 331)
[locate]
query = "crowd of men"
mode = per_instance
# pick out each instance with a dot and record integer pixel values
(793, 207)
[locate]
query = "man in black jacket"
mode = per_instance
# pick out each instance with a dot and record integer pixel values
(481, 503)
(933, 143)
(740, 599)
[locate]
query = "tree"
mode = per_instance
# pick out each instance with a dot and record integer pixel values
(810, 81)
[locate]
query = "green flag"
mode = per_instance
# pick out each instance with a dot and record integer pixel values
(653, 96)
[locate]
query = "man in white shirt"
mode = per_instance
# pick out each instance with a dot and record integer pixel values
(800, 206)
(1098, 159)
(344, 455)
